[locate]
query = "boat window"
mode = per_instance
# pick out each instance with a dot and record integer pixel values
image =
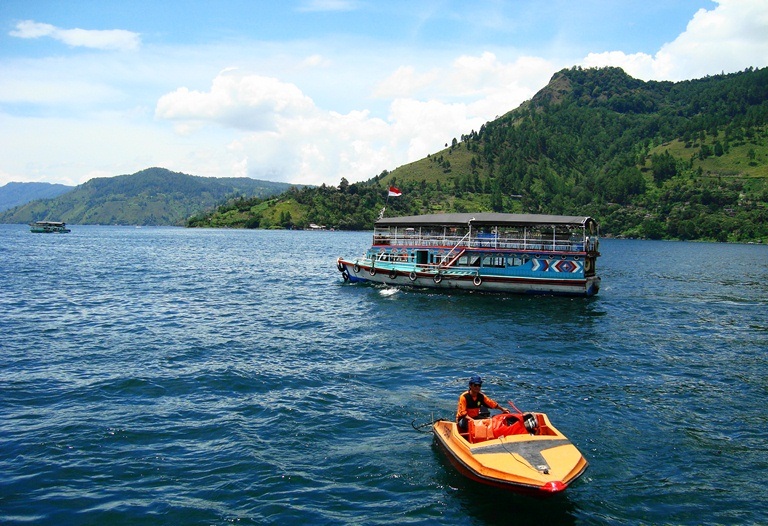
(493, 260)
(471, 260)
(516, 261)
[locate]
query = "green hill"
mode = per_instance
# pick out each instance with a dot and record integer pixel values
(154, 196)
(685, 160)
(16, 194)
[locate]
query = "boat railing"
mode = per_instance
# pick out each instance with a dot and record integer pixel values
(482, 240)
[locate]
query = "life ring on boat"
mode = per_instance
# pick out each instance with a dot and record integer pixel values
(437, 278)
(356, 268)
(344, 275)
(372, 270)
(392, 274)
(340, 265)
(412, 276)
(477, 281)
(587, 265)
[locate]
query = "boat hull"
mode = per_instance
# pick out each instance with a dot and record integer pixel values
(542, 464)
(50, 231)
(414, 276)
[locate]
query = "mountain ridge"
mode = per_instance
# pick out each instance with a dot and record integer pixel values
(153, 196)
(16, 194)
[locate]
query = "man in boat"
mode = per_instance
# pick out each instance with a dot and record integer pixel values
(471, 402)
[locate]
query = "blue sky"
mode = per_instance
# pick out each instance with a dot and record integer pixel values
(310, 91)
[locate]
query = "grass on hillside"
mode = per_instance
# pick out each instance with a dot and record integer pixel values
(432, 168)
(747, 158)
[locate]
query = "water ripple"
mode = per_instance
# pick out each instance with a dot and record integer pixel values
(153, 376)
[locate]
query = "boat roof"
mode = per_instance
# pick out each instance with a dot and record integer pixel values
(483, 219)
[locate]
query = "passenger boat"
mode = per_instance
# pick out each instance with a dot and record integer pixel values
(524, 453)
(49, 227)
(507, 253)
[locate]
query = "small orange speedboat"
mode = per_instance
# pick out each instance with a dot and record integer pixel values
(522, 452)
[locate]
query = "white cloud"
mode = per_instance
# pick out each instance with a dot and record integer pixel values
(424, 127)
(110, 39)
(32, 29)
(469, 78)
(443, 103)
(405, 82)
(731, 37)
(318, 150)
(328, 5)
(315, 61)
(286, 136)
(249, 102)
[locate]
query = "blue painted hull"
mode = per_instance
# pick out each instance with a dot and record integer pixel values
(522, 281)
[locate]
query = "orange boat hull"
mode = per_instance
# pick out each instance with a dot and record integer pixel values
(543, 464)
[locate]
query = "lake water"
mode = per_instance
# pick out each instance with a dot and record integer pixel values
(175, 376)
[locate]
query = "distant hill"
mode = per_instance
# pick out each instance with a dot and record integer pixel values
(660, 160)
(15, 194)
(154, 196)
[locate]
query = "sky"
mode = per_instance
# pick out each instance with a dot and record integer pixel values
(313, 91)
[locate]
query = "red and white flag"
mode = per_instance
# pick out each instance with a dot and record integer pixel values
(394, 192)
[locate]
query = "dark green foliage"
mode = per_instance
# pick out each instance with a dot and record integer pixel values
(663, 166)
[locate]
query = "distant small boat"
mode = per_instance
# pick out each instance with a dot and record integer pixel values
(49, 227)
(519, 452)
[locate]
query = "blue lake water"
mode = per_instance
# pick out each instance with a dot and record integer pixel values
(174, 376)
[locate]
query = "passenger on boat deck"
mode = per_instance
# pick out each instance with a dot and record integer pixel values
(471, 402)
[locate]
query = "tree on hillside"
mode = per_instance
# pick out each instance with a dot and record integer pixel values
(663, 166)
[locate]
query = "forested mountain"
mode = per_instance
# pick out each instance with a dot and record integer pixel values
(685, 160)
(15, 194)
(154, 196)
